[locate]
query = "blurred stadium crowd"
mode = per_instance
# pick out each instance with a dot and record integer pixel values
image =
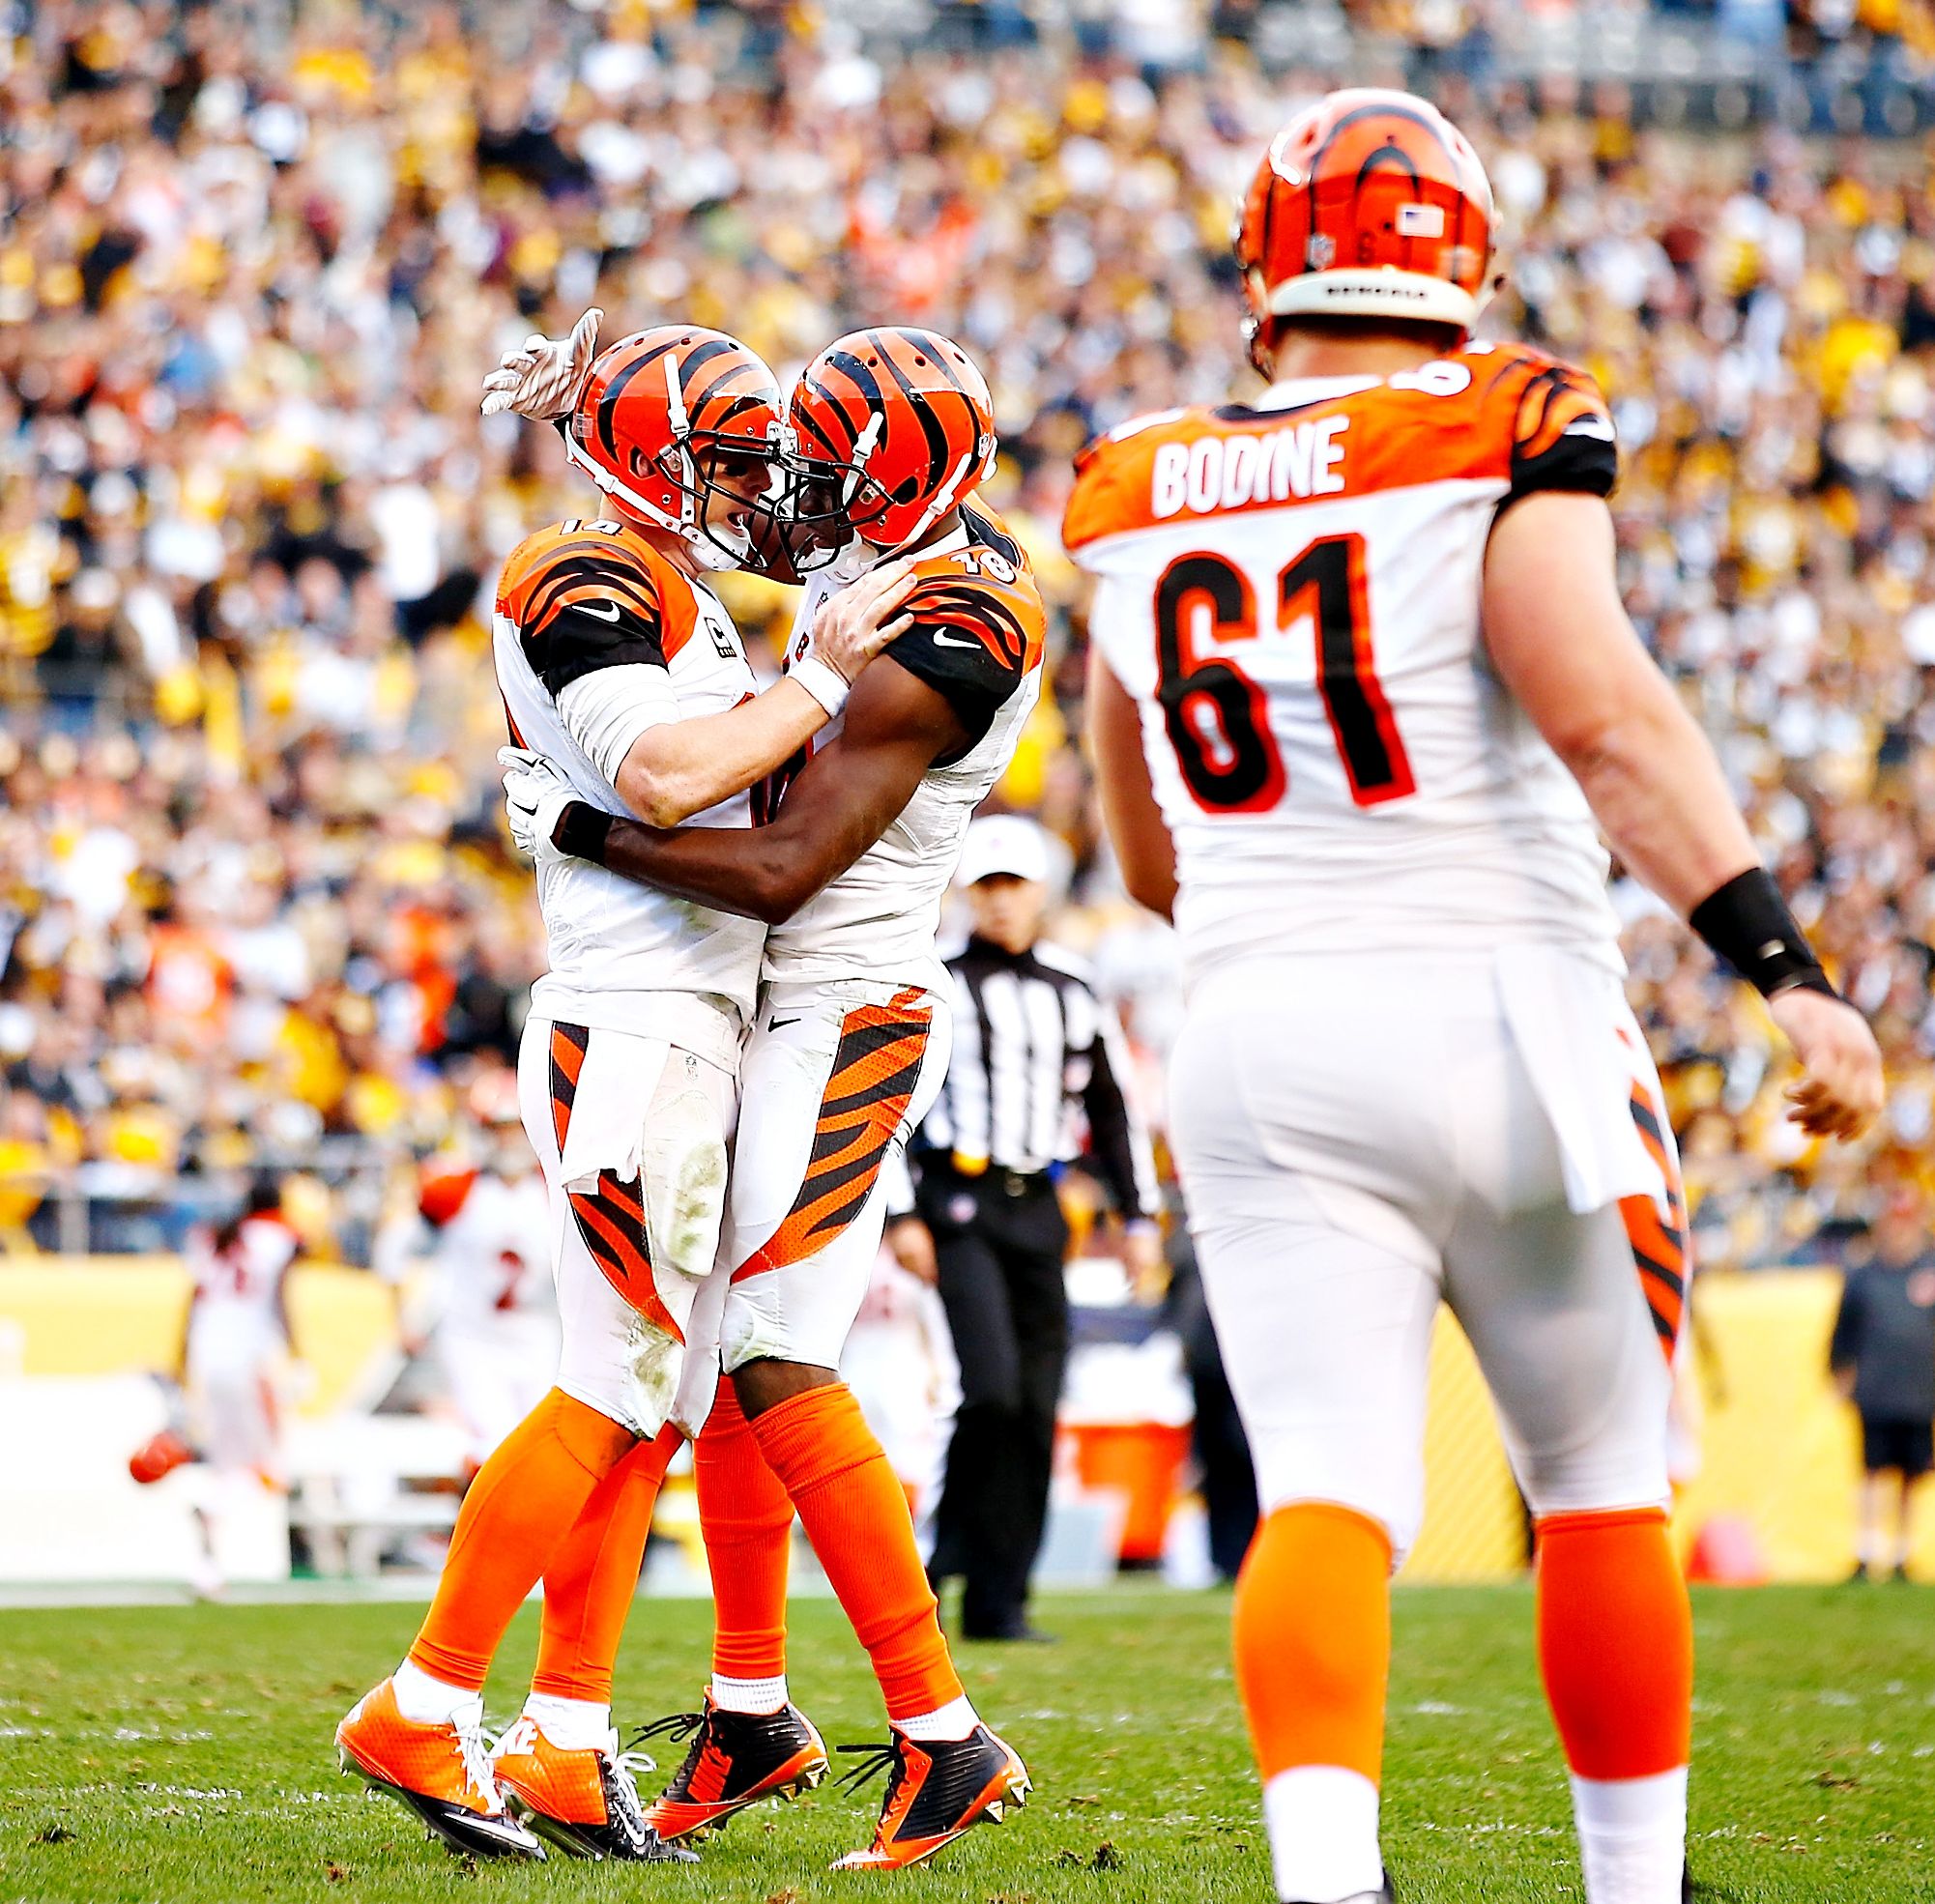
(255, 901)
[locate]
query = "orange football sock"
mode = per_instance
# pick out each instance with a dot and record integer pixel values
(1314, 1639)
(1615, 1642)
(855, 1514)
(592, 1578)
(520, 1509)
(747, 1519)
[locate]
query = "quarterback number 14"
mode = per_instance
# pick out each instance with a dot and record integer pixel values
(1218, 718)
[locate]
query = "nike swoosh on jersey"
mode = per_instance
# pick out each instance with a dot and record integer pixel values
(949, 640)
(608, 612)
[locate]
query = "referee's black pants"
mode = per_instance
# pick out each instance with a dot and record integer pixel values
(1000, 1240)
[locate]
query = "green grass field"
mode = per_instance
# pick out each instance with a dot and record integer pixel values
(184, 1753)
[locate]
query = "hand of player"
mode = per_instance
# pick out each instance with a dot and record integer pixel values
(851, 626)
(534, 794)
(913, 1244)
(1842, 1092)
(1143, 1258)
(544, 376)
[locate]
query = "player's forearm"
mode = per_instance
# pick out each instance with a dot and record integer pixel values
(1658, 792)
(693, 864)
(1144, 852)
(764, 873)
(682, 768)
(846, 797)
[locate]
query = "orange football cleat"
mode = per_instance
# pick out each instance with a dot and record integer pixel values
(734, 1760)
(443, 1773)
(937, 1790)
(581, 1799)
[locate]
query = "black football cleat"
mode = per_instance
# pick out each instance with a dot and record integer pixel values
(937, 1790)
(734, 1760)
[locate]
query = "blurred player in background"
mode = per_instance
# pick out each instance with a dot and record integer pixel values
(1361, 683)
(493, 1304)
(237, 1336)
(616, 660)
(888, 433)
(235, 1364)
(1883, 1359)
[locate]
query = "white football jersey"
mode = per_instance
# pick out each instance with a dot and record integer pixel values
(243, 1277)
(575, 598)
(235, 1322)
(1290, 592)
(977, 639)
(494, 1255)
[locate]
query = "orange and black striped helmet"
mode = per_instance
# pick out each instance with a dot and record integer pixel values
(1368, 204)
(886, 430)
(658, 411)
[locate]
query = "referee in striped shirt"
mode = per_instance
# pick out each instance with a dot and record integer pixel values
(1032, 1043)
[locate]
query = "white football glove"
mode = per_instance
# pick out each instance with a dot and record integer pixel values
(544, 376)
(534, 794)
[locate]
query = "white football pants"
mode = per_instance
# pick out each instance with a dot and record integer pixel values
(633, 1134)
(836, 1076)
(1360, 1138)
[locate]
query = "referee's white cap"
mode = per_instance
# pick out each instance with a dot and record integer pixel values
(1004, 843)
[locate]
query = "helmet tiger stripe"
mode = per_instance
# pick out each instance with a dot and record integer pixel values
(886, 431)
(659, 406)
(1370, 203)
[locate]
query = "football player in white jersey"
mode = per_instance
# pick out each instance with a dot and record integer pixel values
(234, 1363)
(494, 1315)
(237, 1331)
(1361, 683)
(889, 431)
(617, 662)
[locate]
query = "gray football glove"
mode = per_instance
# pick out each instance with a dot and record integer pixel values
(544, 376)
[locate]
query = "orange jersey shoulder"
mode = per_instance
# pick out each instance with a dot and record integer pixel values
(977, 629)
(986, 592)
(1560, 428)
(1498, 412)
(591, 565)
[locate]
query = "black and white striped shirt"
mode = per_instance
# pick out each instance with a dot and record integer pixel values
(1033, 1046)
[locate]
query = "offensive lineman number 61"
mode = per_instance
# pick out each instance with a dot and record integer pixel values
(1218, 718)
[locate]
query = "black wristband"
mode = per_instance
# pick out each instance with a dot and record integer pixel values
(1748, 924)
(582, 831)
